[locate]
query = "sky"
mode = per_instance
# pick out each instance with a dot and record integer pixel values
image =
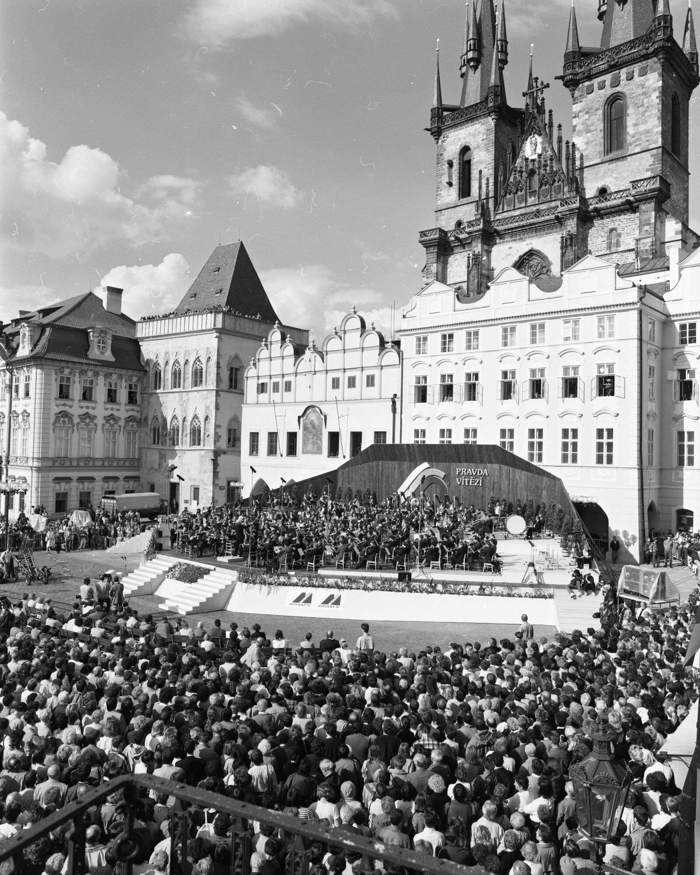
(137, 135)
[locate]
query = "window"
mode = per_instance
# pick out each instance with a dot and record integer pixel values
(606, 327)
(197, 374)
(333, 444)
(420, 390)
(132, 393)
(570, 381)
(471, 386)
(370, 381)
(87, 389)
(418, 435)
(253, 443)
(613, 240)
(450, 172)
(291, 443)
(380, 437)
(287, 387)
(447, 387)
(675, 125)
(195, 432)
(686, 448)
(64, 387)
(63, 430)
(352, 382)
(355, 443)
(262, 388)
(651, 331)
(234, 377)
(15, 389)
(131, 442)
(507, 385)
(536, 333)
(272, 443)
(112, 395)
(465, 172)
(652, 382)
(194, 494)
(421, 344)
(24, 436)
(569, 446)
(86, 442)
(335, 383)
(535, 444)
(685, 384)
(506, 439)
(155, 431)
(156, 378)
(174, 432)
(470, 436)
(26, 384)
(275, 387)
(447, 342)
(605, 381)
(111, 435)
(84, 498)
(508, 335)
(536, 383)
(471, 339)
(650, 446)
(604, 446)
(614, 124)
(572, 330)
(687, 333)
(61, 502)
(176, 376)
(232, 437)
(445, 436)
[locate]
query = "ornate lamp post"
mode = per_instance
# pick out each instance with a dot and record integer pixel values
(11, 486)
(601, 786)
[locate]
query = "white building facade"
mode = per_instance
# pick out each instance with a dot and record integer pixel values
(307, 410)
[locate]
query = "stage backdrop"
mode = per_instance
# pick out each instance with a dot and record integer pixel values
(474, 473)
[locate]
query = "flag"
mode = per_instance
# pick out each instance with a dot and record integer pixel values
(694, 643)
(253, 470)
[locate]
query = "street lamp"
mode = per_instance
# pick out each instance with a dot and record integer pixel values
(11, 486)
(601, 786)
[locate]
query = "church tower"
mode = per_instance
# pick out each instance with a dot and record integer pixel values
(631, 100)
(476, 143)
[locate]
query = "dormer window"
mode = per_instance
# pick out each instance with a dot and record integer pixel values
(28, 336)
(100, 343)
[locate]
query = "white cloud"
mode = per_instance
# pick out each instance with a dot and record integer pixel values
(74, 205)
(218, 22)
(257, 116)
(312, 297)
(268, 185)
(24, 297)
(150, 289)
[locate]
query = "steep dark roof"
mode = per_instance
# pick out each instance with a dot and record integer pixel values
(228, 279)
(71, 344)
(80, 311)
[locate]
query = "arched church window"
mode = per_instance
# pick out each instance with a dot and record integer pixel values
(156, 377)
(197, 374)
(465, 172)
(195, 432)
(613, 240)
(176, 376)
(615, 124)
(675, 125)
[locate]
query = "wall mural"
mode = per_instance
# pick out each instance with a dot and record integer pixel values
(312, 432)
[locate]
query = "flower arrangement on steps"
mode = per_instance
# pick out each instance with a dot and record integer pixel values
(186, 573)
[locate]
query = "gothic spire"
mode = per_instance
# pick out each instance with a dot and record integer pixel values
(662, 8)
(437, 94)
(502, 40)
(572, 39)
(627, 21)
(474, 47)
(690, 45)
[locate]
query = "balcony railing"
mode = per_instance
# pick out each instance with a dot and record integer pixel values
(302, 841)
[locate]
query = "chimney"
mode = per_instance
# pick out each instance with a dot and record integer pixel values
(113, 300)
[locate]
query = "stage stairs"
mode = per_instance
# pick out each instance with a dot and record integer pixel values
(209, 593)
(146, 579)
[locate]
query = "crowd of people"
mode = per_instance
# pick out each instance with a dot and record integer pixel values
(460, 753)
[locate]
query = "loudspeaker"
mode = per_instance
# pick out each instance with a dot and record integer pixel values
(404, 576)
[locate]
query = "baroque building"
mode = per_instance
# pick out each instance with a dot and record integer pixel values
(71, 382)
(195, 359)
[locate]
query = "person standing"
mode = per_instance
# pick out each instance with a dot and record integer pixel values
(614, 549)
(365, 641)
(527, 630)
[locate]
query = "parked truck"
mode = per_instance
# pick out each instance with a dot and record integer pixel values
(147, 504)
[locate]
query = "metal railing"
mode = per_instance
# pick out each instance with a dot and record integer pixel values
(302, 841)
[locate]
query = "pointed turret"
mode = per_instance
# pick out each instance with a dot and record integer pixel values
(481, 47)
(437, 93)
(502, 41)
(573, 44)
(473, 52)
(627, 21)
(690, 44)
(662, 8)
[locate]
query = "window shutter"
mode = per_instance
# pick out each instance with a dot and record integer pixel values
(619, 386)
(594, 387)
(526, 390)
